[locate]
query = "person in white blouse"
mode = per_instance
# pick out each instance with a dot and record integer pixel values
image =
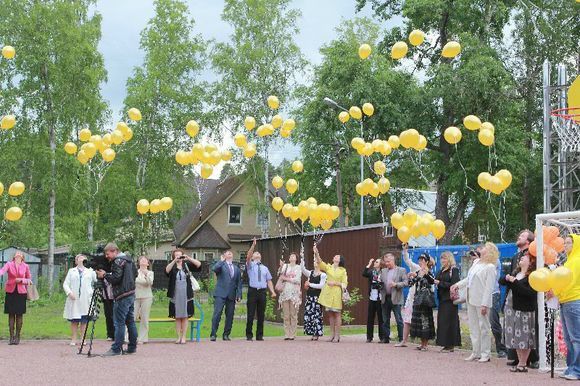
(407, 311)
(291, 297)
(78, 287)
(480, 283)
(143, 298)
(313, 318)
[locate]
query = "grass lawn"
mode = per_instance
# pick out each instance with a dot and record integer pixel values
(44, 320)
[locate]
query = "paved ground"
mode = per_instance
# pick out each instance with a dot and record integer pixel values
(273, 362)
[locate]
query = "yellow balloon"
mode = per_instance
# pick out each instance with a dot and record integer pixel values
(250, 123)
(451, 50)
(70, 148)
(206, 171)
(277, 182)
(343, 116)
(394, 142)
(452, 135)
(289, 124)
(539, 281)
(84, 135)
(484, 180)
(357, 143)
(384, 148)
(374, 190)
(486, 137)
(495, 185)
(215, 157)
(82, 157)
(294, 213)
(364, 51)
(361, 190)
(438, 229)
(384, 185)
(155, 206)
(424, 226)
(573, 96)
(142, 206)
(134, 114)
(380, 168)
(97, 141)
(90, 149)
(397, 220)
(165, 204)
(117, 137)
(399, 50)
(128, 135)
(471, 122)
(192, 128)
(8, 122)
(250, 150)
(284, 133)
(505, 177)
(16, 189)
(261, 131)
(13, 214)
(297, 166)
(304, 210)
(367, 150)
(277, 121)
(107, 139)
(368, 109)
(226, 155)
(487, 126)
(334, 212)
(8, 52)
(561, 278)
(240, 140)
(416, 37)
(273, 102)
(286, 209)
(108, 155)
(355, 112)
(312, 200)
(404, 234)
(415, 231)
(191, 158)
(376, 144)
(277, 204)
(210, 147)
(421, 144)
(1, 188)
(409, 138)
(326, 224)
(291, 186)
(122, 127)
(181, 157)
(410, 217)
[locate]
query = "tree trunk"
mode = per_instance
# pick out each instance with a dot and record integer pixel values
(339, 187)
(91, 221)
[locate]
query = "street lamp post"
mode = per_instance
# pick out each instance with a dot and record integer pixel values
(335, 105)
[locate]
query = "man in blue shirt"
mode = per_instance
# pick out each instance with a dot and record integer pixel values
(259, 280)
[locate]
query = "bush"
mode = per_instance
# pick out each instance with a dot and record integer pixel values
(355, 297)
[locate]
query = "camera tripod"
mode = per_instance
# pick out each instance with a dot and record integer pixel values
(94, 311)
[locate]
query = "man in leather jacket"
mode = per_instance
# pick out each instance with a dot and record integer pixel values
(122, 278)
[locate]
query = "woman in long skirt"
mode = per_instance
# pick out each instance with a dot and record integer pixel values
(422, 325)
(448, 331)
(313, 320)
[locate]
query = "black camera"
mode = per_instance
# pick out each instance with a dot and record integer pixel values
(378, 285)
(97, 260)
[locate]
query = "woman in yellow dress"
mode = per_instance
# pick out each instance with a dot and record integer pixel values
(331, 294)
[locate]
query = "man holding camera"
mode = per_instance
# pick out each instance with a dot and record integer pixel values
(122, 279)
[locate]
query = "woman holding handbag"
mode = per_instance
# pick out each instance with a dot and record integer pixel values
(448, 331)
(78, 287)
(16, 291)
(290, 296)
(180, 291)
(143, 298)
(422, 325)
(334, 291)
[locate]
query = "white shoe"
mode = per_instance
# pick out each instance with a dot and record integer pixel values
(471, 358)
(484, 359)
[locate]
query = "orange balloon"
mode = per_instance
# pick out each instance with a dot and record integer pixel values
(550, 233)
(550, 255)
(558, 244)
(532, 248)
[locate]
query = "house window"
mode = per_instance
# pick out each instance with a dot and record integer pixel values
(389, 231)
(262, 220)
(234, 215)
(208, 256)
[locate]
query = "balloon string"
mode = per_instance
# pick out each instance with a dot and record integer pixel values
(418, 166)
(462, 168)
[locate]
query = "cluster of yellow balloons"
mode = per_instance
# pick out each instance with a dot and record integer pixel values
(399, 49)
(374, 189)
(208, 156)
(409, 223)
(376, 146)
(291, 184)
(496, 183)
(411, 139)
(16, 189)
(544, 279)
(8, 52)
(320, 215)
(155, 206)
(356, 112)
(486, 133)
(285, 125)
(248, 148)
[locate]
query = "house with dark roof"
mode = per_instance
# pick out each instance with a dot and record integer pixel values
(223, 218)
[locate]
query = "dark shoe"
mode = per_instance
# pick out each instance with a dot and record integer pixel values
(502, 354)
(512, 363)
(111, 353)
(129, 352)
(260, 339)
(226, 337)
(518, 369)
(249, 338)
(212, 338)
(369, 341)
(385, 341)
(534, 365)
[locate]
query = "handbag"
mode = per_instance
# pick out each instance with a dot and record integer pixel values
(458, 297)
(425, 297)
(280, 283)
(345, 296)
(32, 293)
(194, 284)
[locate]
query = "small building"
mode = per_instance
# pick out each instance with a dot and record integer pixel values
(33, 262)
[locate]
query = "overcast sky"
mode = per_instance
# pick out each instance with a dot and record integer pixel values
(123, 20)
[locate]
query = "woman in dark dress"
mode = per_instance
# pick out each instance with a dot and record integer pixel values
(313, 322)
(16, 293)
(422, 325)
(448, 331)
(180, 292)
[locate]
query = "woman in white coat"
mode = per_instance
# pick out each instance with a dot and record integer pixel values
(480, 283)
(78, 286)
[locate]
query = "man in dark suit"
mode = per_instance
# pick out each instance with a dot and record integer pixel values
(228, 291)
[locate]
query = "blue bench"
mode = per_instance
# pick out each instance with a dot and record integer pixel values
(195, 322)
